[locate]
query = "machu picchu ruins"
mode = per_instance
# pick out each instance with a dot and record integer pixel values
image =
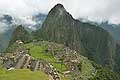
(55, 60)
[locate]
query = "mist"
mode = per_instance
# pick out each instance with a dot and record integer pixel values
(94, 10)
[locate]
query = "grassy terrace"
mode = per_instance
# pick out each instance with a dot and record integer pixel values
(39, 52)
(22, 74)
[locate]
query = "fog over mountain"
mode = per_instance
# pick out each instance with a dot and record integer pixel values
(95, 10)
(31, 13)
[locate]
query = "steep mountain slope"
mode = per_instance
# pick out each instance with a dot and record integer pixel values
(89, 40)
(113, 29)
(117, 58)
(19, 33)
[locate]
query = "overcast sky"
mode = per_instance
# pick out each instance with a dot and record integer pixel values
(91, 9)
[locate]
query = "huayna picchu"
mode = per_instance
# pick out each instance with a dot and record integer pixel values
(87, 39)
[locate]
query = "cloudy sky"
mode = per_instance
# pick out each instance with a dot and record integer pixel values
(95, 10)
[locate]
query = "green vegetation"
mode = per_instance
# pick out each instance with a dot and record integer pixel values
(105, 74)
(89, 40)
(117, 59)
(40, 52)
(87, 70)
(20, 33)
(63, 78)
(22, 74)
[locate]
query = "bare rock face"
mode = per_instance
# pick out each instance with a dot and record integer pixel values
(87, 39)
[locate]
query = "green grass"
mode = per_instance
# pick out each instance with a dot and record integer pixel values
(87, 69)
(22, 74)
(59, 67)
(38, 52)
(63, 78)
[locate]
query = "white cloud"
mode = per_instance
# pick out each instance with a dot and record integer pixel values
(91, 9)
(22, 8)
(94, 9)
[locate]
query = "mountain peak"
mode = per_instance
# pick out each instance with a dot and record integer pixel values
(19, 33)
(57, 10)
(20, 27)
(59, 6)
